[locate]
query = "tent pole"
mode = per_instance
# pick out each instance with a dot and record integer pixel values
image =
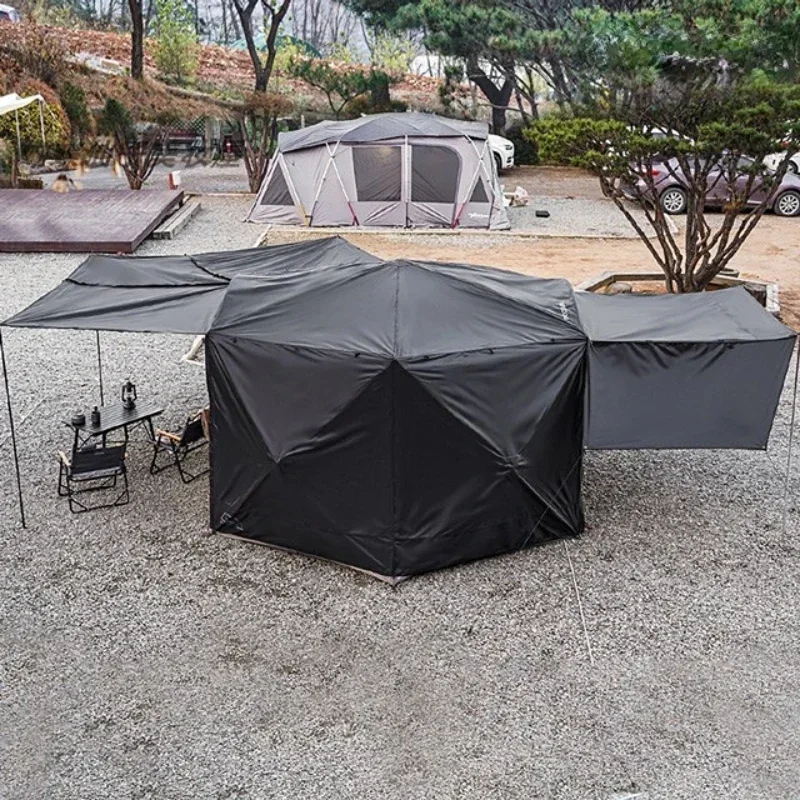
(791, 435)
(41, 122)
(13, 432)
(19, 138)
(100, 368)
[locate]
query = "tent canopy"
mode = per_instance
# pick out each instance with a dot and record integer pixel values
(169, 294)
(682, 371)
(384, 170)
(379, 127)
(405, 416)
(13, 104)
(10, 103)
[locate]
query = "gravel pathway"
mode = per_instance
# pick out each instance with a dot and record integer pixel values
(143, 657)
(578, 216)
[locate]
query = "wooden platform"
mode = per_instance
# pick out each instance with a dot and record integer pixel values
(83, 221)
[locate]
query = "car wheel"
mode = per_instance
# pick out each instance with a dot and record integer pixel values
(787, 204)
(498, 163)
(673, 201)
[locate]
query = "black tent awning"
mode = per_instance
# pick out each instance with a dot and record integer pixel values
(682, 371)
(170, 294)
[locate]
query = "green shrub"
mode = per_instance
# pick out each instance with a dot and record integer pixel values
(568, 141)
(525, 149)
(73, 100)
(56, 124)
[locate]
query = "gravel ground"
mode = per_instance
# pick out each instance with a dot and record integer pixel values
(195, 177)
(577, 215)
(143, 657)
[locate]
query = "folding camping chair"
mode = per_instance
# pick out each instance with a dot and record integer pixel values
(93, 469)
(172, 449)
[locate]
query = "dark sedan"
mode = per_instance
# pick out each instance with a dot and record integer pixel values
(669, 187)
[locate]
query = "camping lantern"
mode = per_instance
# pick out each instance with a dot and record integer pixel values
(128, 395)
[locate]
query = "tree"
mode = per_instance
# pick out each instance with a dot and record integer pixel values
(258, 124)
(176, 49)
(137, 39)
(258, 119)
(462, 30)
(718, 129)
(137, 148)
(274, 12)
(343, 83)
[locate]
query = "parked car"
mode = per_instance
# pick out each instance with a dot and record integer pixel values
(8, 14)
(774, 160)
(670, 190)
(502, 151)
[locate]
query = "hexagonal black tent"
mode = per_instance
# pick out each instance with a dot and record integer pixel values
(398, 418)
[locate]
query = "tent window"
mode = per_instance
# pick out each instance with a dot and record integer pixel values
(378, 172)
(479, 192)
(277, 193)
(434, 174)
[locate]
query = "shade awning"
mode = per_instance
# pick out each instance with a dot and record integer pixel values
(169, 294)
(686, 371)
(10, 103)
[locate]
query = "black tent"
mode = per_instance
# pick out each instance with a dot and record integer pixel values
(400, 417)
(405, 416)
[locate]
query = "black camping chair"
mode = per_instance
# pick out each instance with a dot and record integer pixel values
(172, 449)
(93, 469)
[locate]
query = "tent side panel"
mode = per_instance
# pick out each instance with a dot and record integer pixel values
(472, 481)
(671, 395)
(300, 450)
(276, 204)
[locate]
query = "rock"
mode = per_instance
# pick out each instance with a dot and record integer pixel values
(618, 287)
(757, 290)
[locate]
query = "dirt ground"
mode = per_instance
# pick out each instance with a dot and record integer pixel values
(772, 252)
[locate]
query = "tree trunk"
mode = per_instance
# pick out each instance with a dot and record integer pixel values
(498, 96)
(137, 39)
(381, 98)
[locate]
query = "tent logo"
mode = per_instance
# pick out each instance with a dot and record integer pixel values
(562, 307)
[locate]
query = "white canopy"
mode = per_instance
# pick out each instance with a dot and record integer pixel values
(13, 103)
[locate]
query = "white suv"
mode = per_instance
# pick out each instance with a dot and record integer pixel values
(9, 14)
(502, 151)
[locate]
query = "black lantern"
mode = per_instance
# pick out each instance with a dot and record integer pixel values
(128, 395)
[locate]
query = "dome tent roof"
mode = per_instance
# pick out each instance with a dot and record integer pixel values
(379, 127)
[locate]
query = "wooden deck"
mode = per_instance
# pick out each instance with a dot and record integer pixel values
(83, 221)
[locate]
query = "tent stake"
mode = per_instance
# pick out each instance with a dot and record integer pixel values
(100, 368)
(791, 437)
(13, 432)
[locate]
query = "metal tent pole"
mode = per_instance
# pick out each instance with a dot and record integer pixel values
(19, 138)
(13, 432)
(100, 368)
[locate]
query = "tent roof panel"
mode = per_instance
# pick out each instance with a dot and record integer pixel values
(169, 294)
(400, 308)
(13, 102)
(723, 315)
(378, 127)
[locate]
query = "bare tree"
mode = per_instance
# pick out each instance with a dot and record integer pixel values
(274, 12)
(322, 23)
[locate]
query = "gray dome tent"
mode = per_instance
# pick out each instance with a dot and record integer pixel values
(385, 170)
